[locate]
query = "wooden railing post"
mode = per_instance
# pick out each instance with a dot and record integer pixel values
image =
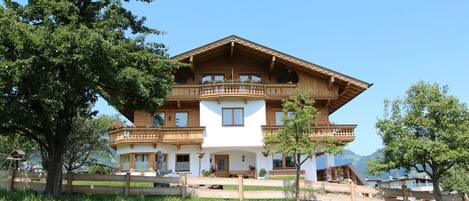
(183, 182)
(353, 192)
(127, 184)
(11, 180)
(240, 187)
(69, 182)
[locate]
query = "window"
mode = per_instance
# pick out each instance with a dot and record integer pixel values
(181, 119)
(158, 119)
(279, 116)
(125, 162)
(250, 77)
(283, 161)
(233, 116)
(277, 161)
(182, 163)
(213, 78)
(180, 80)
(141, 161)
(164, 164)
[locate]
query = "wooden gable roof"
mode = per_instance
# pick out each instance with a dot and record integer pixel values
(349, 87)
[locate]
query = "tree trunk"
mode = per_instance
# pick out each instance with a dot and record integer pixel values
(297, 179)
(436, 189)
(54, 170)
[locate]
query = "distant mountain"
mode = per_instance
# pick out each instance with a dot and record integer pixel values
(359, 163)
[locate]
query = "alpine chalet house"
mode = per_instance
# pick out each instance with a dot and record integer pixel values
(221, 106)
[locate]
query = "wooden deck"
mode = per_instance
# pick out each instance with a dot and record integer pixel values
(343, 133)
(168, 135)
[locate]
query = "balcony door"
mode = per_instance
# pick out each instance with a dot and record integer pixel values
(223, 165)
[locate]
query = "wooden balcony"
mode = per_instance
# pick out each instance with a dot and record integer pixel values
(343, 133)
(150, 135)
(231, 89)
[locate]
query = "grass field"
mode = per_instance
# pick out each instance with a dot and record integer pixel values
(30, 196)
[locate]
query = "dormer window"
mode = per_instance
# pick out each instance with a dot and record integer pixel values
(213, 78)
(250, 77)
(158, 119)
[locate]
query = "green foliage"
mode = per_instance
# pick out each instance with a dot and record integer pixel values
(100, 169)
(89, 137)
(205, 173)
(262, 172)
(294, 138)
(295, 135)
(30, 196)
(427, 130)
(456, 179)
(12, 142)
(57, 56)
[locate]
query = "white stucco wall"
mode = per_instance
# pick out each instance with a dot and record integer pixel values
(171, 150)
(309, 166)
(216, 135)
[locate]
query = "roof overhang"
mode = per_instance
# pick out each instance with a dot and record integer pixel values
(349, 87)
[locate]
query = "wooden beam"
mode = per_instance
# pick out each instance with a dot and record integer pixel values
(346, 88)
(272, 63)
(328, 102)
(232, 50)
(191, 61)
(178, 102)
(331, 82)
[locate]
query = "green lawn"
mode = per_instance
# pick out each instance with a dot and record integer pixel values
(29, 196)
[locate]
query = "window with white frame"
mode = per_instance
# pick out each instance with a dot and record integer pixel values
(182, 162)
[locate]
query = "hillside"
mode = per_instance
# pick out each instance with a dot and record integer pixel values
(359, 163)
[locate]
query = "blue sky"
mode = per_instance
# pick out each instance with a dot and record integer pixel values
(392, 44)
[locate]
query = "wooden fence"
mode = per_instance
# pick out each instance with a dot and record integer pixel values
(187, 186)
(24, 181)
(391, 194)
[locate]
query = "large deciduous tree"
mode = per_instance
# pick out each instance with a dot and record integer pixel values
(427, 130)
(294, 138)
(57, 56)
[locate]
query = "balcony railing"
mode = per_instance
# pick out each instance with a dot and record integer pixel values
(344, 133)
(150, 135)
(232, 89)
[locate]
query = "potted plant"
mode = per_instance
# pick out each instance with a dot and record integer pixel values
(205, 173)
(262, 173)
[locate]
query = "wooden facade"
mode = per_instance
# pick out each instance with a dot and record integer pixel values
(226, 69)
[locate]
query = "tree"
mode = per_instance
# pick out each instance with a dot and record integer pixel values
(427, 131)
(88, 138)
(12, 142)
(57, 56)
(456, 179)
(294, 138)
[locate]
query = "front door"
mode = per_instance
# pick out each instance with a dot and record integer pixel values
(223, 165)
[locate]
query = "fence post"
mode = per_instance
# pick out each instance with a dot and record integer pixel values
(69, 182)
(353, 192)
(11, 180)
(127, 184)
(240, 187)
(405, 196)
(183, 180)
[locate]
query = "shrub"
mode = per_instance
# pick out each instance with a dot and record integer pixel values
(262, 172)
(205, 173)
(100, 169)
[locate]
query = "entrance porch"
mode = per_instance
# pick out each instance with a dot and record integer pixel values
(232, 162)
